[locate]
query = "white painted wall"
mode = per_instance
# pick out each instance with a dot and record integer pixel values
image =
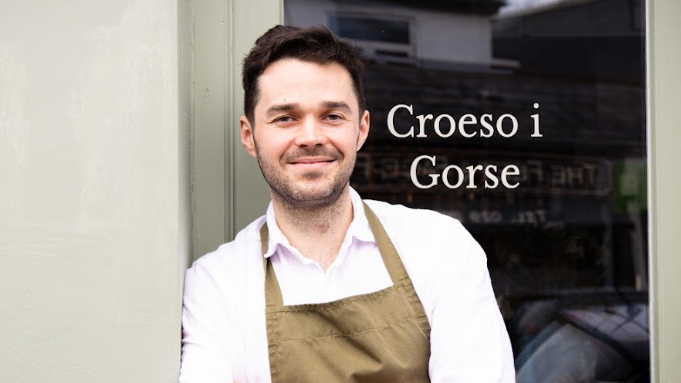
(93, 222)
(438, 36)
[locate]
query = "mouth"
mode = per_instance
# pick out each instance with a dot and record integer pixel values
(311, 160)
(311, 163)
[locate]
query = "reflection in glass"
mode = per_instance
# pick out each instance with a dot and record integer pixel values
(572, 235)
(596, 343)
(373, 29)
(570, 355)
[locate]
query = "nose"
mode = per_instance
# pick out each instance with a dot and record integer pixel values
(311, 133)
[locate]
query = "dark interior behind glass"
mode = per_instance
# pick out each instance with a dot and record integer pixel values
(573, 234)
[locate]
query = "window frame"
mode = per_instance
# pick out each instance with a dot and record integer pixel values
(228, 190)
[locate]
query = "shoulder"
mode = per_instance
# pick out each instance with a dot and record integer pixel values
(439, 254)
(222, 291)
(428, 240)
(409, 223)
(231, 263)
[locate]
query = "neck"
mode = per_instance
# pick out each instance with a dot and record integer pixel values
(317, 231)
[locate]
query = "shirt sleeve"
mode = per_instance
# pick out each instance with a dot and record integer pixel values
(469, 341)
(205, 357)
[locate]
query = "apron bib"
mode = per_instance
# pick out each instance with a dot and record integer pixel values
(378, 337)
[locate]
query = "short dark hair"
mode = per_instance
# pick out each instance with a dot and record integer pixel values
(316, 44)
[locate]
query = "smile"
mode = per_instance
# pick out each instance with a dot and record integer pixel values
(309, 161)
(312, 163)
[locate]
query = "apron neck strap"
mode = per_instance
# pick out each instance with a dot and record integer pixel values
(273, 296)
(391, 258)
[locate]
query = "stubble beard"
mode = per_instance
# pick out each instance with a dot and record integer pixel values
(285, 190)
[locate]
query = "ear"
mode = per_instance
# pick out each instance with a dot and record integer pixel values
(363, 129)
(247, 138)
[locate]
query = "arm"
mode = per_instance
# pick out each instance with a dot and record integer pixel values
(205, 354)
(469, 342)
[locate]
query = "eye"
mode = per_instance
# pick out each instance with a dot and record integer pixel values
(334, 117)
(283, 119)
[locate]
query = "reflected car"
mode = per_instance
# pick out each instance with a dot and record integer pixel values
(587, 344)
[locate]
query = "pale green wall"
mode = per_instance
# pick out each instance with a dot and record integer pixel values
(93, 175)
(665, 166)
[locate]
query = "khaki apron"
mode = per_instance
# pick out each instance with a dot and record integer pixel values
(378, 337)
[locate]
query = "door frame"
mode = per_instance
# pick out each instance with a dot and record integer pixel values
(228, 190)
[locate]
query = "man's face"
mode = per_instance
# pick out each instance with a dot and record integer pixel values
(307, 131)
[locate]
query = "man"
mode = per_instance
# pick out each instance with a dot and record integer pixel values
(326, 287)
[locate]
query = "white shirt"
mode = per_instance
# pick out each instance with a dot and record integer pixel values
(223, 320)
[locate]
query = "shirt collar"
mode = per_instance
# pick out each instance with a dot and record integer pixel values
(359, 227)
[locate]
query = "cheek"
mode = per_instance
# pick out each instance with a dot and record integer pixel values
(270, 148)
(347, 144)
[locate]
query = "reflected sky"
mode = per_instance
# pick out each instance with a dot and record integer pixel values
(517, 5)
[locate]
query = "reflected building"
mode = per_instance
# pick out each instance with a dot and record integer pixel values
(407, 32)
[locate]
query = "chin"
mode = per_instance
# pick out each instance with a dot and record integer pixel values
(314, 196)
(317, 197)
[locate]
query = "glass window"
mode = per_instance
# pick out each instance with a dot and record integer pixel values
(369, 28)
(526, 123)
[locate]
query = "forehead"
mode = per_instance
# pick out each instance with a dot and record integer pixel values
(305, 83)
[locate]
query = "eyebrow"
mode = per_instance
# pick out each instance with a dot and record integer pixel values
(278, 108)
(274, 109)
(337, 105)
